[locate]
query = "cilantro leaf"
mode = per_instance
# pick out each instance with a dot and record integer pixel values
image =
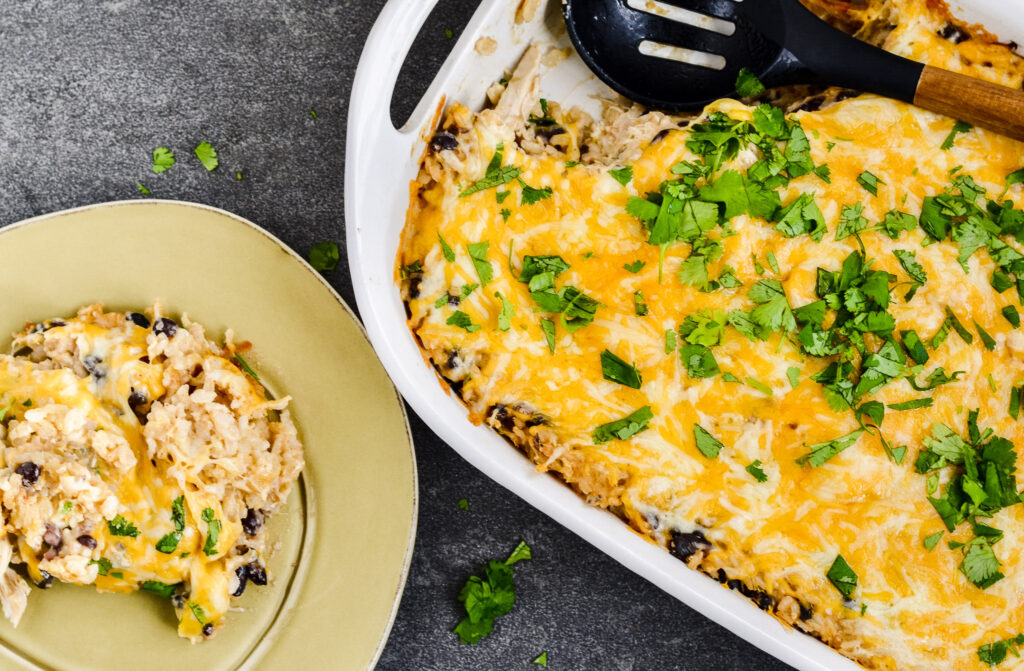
(494, 176)
(635, 267)
(119, 526)
(623, 175)
(912, 405)
(756, 471)
(708, 445)
(773, 312)
(507, 312)
(822, 452)
(478, 254)
(842, 577)
(617, 370)
(802, 216)
(699, 361)
(463, 321)
(163, 159)
(207, 155)
(851, 221)
(488, 598)
(625, 428)
(158, 588)
(212, 532)
(870, 182)
(640, 304)
(958, 128)
(324, 256)
(449, 253)
(748, 85)
(740, 195)
(530, 195)
(980, 564)
(548, 327)
(896, 222)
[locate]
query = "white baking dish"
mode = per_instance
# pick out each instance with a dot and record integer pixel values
(380, 163)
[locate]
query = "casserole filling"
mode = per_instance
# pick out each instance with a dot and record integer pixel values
(138, 454)
(785, 347)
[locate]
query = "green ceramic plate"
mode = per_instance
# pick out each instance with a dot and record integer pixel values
(346, 534)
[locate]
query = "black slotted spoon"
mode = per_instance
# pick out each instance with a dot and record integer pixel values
(780, 41)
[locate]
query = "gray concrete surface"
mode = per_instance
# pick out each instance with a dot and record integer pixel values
(88, 88)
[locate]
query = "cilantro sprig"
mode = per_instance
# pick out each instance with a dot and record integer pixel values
(489, 597)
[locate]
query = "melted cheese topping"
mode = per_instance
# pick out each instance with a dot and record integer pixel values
(782, 535)
(78, 394)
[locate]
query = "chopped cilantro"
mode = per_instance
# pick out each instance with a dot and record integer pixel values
(896, 222)
(741, 195)
(207, 155)
(449, 253)
(773, 312)
(163, 159)
(119, 526)
(478, 254)
(485, 599)
(158, 588)
(617, 370)
(773, 263)
(244, 365)
(324, 256)
(842, 577)
(507, 312)
(531, 196)
(495, 176)
(986, 339)
(463, 504)
(541, 659)
(622, 429)
(822, 452)
(640, 304)
(212, 532)
(635, 267)
(197, 612)
(760, 386)
(623, 175)
(932, 541)
(708, 445)
(1016, 398)
(548, 327)
(103, 565)
(870, 182)
(670, 341)
(793, 375)
(914, 269)
(463, 321)
(958, 128)
(995, 653)
(851, 221)
(756, 471)
(912, 405)
(1010, 311)
(748, 85)
(915, 348)
(980, 564)
(142, 189)
(824, 172)
(961, 331)
(1000, 281)
(802, 216)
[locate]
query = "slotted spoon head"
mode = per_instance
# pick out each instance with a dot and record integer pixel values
(684, 54)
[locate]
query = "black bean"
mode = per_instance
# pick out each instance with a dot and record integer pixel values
(29, 472)
(52, 536)
(685, 545)
(136, 398)
(92, 364)
(252, 521)
(257, 574)
(208, 629)
(660, 136)
(138, 319)
(444, 140)
(23, 351)
(453, 300)
(805, 612)
(243, 576)
(88, 541)
(165, 326)
(45, 580)
(178, 600)
(953, 33)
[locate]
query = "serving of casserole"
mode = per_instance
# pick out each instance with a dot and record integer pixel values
(783, 346)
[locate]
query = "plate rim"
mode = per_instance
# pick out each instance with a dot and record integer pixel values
(238, 219)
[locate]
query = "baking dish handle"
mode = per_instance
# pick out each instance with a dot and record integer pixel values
(387, 46)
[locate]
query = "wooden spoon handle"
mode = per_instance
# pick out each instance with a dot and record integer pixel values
(991, 106)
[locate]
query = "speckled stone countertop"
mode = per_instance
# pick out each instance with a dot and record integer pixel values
(89, 87)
